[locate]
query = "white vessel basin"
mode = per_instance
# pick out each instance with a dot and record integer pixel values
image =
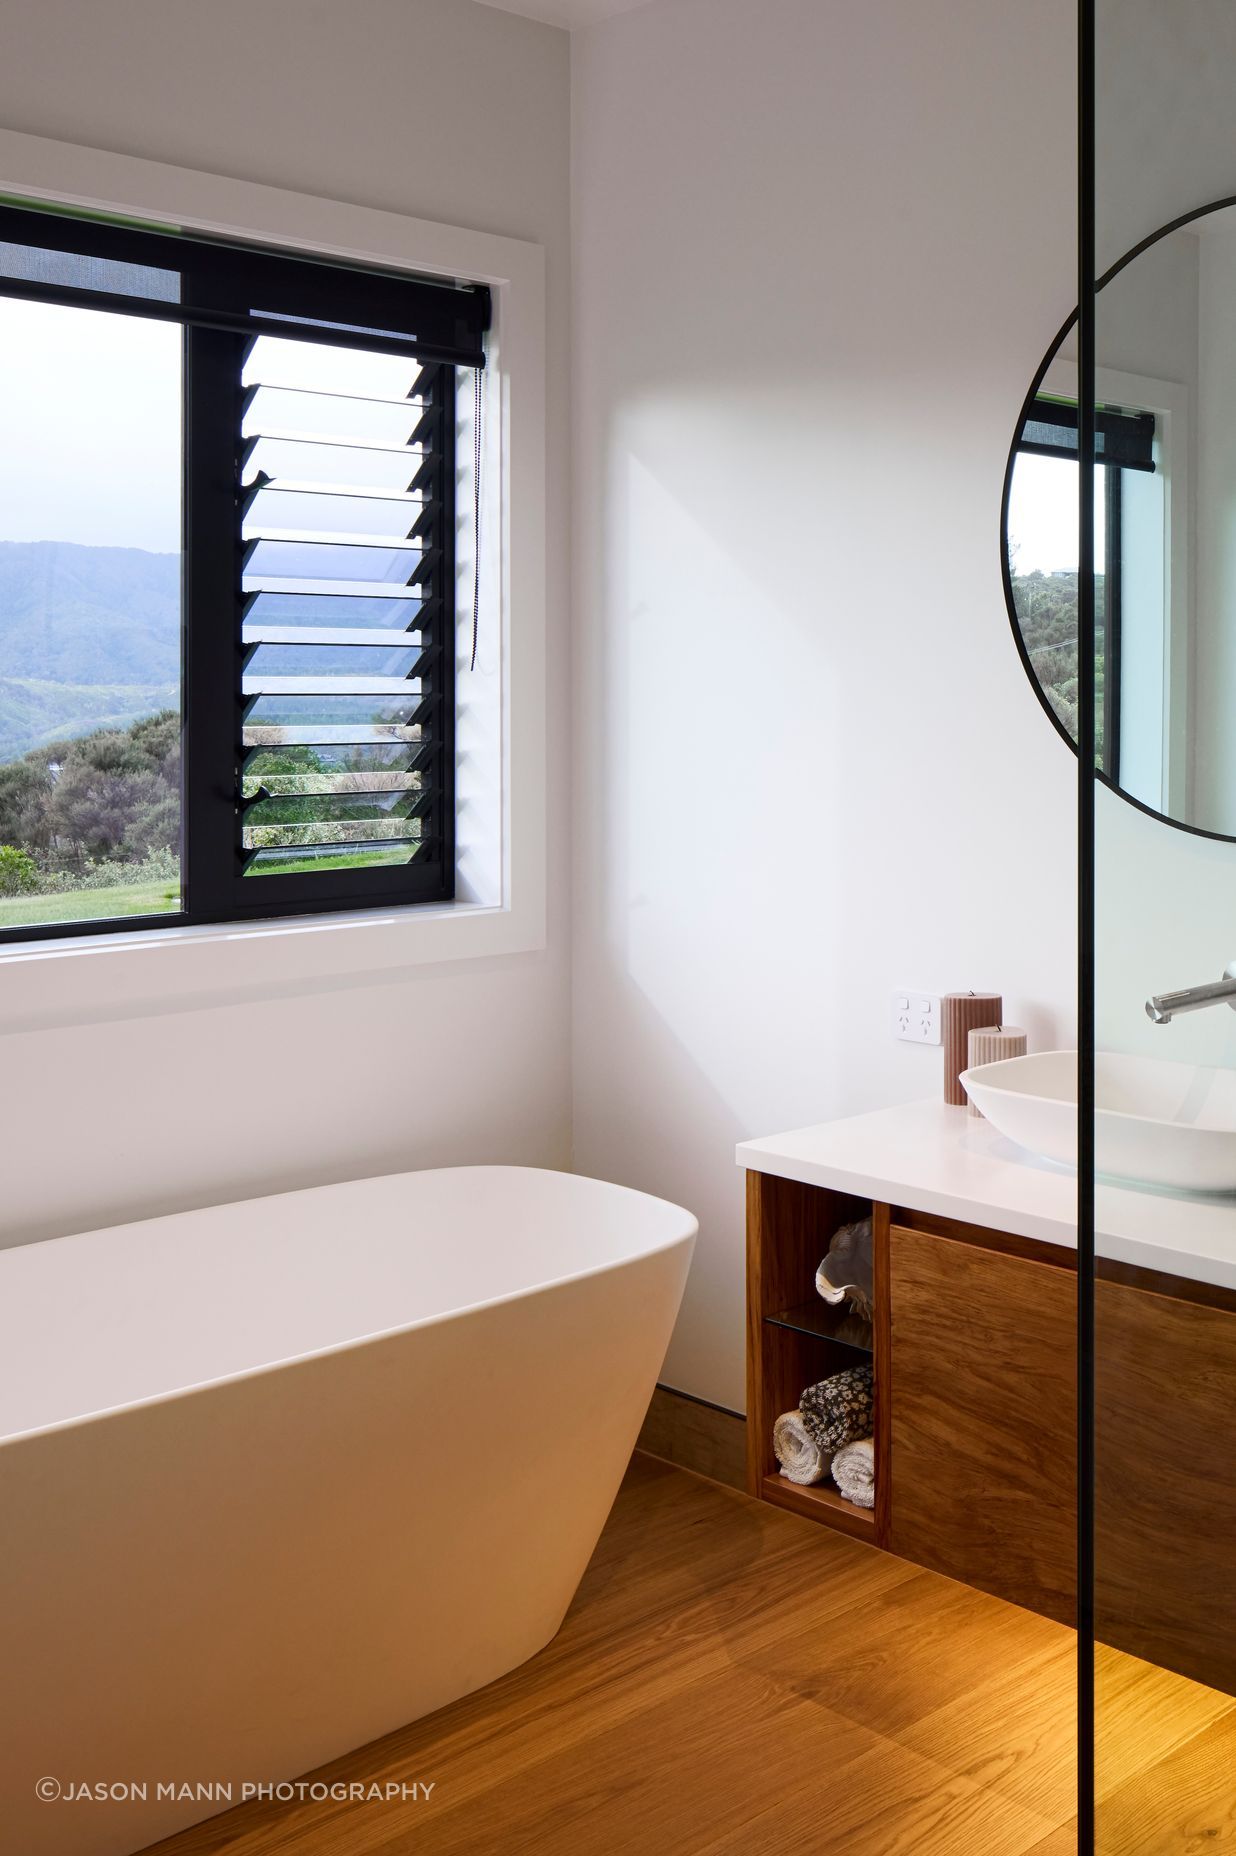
(1165, 1124)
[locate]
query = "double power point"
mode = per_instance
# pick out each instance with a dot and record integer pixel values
(916, 1017)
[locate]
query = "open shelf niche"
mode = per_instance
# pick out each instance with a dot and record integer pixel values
(794, 1340)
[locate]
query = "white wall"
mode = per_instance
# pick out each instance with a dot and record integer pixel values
(1147, 316)
(819, 250)
(441, 110)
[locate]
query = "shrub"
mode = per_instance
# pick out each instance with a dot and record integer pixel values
(18, 871)
(70, 878)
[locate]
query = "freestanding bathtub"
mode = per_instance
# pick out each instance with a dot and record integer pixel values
(278, 1477)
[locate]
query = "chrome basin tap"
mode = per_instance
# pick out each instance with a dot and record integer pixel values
(1163, 1007)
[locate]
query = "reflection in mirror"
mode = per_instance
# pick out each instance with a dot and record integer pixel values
(1042, 555)
(1165, 533)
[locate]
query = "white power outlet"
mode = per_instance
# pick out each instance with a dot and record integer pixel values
(916, 1017)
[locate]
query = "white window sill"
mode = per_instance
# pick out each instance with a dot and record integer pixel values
(98, 978)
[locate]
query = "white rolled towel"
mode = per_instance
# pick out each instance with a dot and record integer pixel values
(796, 1451)
(854, 1472)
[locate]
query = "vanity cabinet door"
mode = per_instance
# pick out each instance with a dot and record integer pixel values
(1165, 1493)
(984, 1417)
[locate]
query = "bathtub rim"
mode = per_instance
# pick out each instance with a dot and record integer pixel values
(685, 1236)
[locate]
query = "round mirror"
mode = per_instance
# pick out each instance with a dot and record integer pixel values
(1165, 525)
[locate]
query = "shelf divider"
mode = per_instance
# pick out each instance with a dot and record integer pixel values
(836, 1322)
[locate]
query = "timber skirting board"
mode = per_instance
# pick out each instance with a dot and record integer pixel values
(694, 1435)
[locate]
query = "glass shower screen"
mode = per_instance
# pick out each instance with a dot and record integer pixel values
(1158, 1073)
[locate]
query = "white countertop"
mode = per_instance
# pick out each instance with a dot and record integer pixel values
(929, 1157)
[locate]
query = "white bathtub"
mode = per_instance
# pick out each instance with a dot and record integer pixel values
(278, 1477)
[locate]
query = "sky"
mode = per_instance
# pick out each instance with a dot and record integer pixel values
(90, 412)
(90, 423)
(1043, 515)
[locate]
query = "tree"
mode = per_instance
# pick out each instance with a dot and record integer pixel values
(25, 789)
(95, 808)
(1046, 606)
(154, 827)
(157, 739)
(112, 795)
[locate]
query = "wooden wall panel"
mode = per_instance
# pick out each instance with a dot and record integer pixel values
(696, 1436)
(984, 1419)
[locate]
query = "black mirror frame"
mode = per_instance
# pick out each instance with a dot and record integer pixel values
(1197, 831)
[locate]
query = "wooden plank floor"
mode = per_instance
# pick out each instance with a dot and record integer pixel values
(734, 1679)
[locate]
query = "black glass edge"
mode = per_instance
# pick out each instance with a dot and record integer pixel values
(1087, 290)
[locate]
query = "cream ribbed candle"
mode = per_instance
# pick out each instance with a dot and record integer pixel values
(960, 1014)
(991, 1044)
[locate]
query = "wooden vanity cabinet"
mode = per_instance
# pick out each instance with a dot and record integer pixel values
(974, 1350)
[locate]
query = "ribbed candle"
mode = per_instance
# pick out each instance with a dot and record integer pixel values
(960, 1014)
(992, 1044)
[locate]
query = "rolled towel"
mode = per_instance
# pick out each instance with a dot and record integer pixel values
(839, 1409)
(797, 1454)
(854, 1472)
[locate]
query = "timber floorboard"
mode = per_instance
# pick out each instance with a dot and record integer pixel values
(734, 1680)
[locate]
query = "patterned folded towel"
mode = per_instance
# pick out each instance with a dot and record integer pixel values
(854, 1472)
(798, 1456)
(839, 1409)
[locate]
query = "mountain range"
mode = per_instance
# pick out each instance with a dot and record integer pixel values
(89, 638)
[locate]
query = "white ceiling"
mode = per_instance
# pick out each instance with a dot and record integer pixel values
(565, 12)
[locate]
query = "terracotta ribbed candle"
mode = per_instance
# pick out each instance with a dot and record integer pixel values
(960, 1014)
(992, 1044)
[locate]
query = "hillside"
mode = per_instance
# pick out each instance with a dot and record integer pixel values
(33, 713)
(89, 637)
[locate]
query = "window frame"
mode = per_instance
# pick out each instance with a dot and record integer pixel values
(217, 281)
(1113, 471)
(501, 863)
(1169, 403)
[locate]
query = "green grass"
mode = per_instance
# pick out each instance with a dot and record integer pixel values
(87, 905)
(358, 860)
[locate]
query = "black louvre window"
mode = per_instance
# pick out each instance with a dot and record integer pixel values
(341, 489)
(316, 630)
